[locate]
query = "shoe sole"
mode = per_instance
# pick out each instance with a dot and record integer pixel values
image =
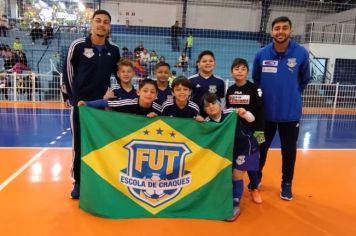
(233, 219)
(286, 198)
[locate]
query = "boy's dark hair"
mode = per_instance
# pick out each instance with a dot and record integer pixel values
(101, 12)
(206, 52)
(125, 62)
(239, 62)
(159, 64)
(147, 81)
(282, 19)
(181, 80)
(210, 98)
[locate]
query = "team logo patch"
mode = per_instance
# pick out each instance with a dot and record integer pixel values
(292, 62)
(269, 69)
(240, 160)
(212, 89)
(155, 172)
(239, 99)
(88, 52)
(269, 63)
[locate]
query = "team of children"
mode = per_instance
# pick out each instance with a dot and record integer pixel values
(200, 97)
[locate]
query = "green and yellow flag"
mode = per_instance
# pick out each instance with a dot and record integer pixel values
(133, 166)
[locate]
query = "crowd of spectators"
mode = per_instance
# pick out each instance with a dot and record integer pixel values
(144, 60)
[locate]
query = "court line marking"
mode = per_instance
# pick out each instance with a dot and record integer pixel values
(22, 169)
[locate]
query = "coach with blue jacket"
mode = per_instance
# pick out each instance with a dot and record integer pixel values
(89, 64)
(281, 70)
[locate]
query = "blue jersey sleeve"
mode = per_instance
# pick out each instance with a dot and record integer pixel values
(101, 103)
(68, 77)
(256, 70)
(304, 77)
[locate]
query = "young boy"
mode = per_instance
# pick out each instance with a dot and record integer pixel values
(205, 81)
(124, 89)
(143, 105)
(162, 73)
(179, 105)
(245, 149)
(245, 94)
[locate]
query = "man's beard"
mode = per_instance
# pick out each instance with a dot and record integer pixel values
(281, 41)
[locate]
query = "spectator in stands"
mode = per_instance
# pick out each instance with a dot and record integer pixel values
(139, 69)
(4, 25)
(17, 46)
(20, 56)
(281, 69)
(47, 34)
(175, 32)
(4, 84)
(19, 67)
(126, 54)
(183, 62)
(139, 49)
(162, 59)
(152, 62)
(9, 59)
(3, 50)
(36, 32)
(189, 44)
(144, 59)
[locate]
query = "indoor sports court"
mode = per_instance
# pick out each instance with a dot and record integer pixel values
(35, 130)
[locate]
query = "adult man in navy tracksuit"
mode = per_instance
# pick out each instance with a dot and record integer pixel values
(281, 70)
(89, 64)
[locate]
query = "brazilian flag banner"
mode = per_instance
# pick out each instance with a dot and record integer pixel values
(134, 167)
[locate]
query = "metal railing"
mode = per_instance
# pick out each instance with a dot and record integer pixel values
(47, 87)
(333, 33)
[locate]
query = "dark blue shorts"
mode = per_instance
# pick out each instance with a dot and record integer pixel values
(247, 162)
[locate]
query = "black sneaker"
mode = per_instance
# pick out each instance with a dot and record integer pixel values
(286, 191)
(75, 192)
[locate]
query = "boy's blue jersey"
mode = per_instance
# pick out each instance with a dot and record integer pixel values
(282, 78)
(213, 84)
(121, 93)
(164, 95)
(170, 108)
(126, 105)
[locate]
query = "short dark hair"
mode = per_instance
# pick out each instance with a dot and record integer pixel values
(159, 64)
(282, 19)
(239, 62)
(101, 12)
(147, 81)
(181, 80)
(210, 98)
(204, 53)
